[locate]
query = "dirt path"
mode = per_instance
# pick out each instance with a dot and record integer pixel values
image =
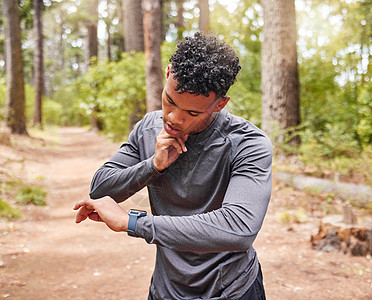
(45, 255)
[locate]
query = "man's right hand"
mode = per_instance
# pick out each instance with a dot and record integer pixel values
(168, 149)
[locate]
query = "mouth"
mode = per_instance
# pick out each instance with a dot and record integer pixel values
(171, 130)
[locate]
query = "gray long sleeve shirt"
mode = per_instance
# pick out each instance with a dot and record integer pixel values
(207, 207)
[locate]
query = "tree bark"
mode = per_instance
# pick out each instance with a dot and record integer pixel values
(121, 27)
(279, 80)
(92, 32)
(95, 122)
(180, 21)
(15, 97)
(134, 40)
(108, 22)
(154, 74)
(204, 16)
(38, 62)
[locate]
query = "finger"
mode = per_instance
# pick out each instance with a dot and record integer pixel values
(172, 141)
(80, 203)
(83, 214)
(94, 216)
(181, 141)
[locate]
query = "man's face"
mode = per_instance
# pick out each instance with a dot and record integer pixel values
(186, 113)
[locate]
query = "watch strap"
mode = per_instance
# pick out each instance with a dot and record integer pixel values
(132, 222)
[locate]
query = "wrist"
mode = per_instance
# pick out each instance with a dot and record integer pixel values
(124, 227)
(157, 167)
(134, 214)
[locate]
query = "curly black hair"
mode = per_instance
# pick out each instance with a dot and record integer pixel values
(202, 64)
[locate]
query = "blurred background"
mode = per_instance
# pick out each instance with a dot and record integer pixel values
(75, 77)
(85, 62)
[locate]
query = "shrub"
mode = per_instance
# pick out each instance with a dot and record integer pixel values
(6, 211)
(31, 195)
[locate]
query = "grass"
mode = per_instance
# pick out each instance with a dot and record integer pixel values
(290, 216)
(23, 193)
(31, 195)
(6, 211)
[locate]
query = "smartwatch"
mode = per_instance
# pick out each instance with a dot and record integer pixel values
(134, 214)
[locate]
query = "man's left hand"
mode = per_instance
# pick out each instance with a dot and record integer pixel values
(103, 210)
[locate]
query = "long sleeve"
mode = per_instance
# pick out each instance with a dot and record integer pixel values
(127, 171)
(234, 226)
(207, 207)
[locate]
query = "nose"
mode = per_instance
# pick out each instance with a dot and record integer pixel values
(176, 116)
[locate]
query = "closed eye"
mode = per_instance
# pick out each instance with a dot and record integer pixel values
(193, 113)
(170, 101)
(190, 112)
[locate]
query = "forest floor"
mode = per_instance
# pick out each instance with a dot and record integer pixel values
(45, 255)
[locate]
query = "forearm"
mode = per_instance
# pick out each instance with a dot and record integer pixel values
(231, 228)
(120, 182)
(193, 234)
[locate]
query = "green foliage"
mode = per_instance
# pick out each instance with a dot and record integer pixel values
(334, 42)
(167, 49)
(241, 30)
(364, 127)
(31, 195)
(290, 216)
(115, 91)
(25, 13)
(2, 98)
(245, 93)
(6, 211)
(30, 101)
(65, 109)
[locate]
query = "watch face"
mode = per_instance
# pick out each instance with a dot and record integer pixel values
(137, 211)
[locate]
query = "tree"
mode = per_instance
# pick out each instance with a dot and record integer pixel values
(204, 16)
(154, 74)
(279, 81)
(121, 30)
(134, 40)
(15, 96)
(92, 24)
(180, 24)
(38, 62)
(92, 31)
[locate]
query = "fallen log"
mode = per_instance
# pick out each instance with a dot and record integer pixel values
(359, 194)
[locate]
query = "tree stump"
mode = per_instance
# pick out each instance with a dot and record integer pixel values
(342, 233)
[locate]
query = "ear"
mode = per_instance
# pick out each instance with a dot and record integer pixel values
(222, 103)
(167, 71)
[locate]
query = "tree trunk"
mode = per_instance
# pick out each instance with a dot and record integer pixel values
(38, 62)
(95, 122)
(108, 42)
(164, 26)
(279, 80)
(154, 74)
(15, 97)
(121, 28)
(204, 16)
(62, 46)
(108, 21)
(134, 40)
(180, 21)
(92, 32)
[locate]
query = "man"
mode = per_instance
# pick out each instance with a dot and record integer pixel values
(208, 175)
